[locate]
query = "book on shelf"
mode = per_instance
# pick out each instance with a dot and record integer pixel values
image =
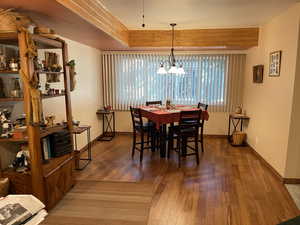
(46, 148)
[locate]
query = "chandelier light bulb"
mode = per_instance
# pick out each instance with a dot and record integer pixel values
(161, 69)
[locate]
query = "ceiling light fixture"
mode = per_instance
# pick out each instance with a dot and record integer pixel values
(172, 61)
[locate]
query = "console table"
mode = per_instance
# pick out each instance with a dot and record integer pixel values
(76, 131)
(108, 125)
(235, 120)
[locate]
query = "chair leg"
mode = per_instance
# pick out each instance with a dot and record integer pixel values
(133, 144)
(170, 143)
(179, 151)
(142, 147)
(201, 140)
(184, 146)
(197, 149)
(153, 141)
(149, 135)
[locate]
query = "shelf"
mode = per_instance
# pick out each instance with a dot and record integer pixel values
(52, 164)
(21, 99)
(51, 130)
(44, 133)
(13, 140)
(11, 99)
(8, 72)
(52, 96)
(47, 72)
(41, 42)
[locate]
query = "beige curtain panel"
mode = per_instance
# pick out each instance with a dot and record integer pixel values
(131, 79)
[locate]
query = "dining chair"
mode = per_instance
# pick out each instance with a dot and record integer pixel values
(187, 128)
(141, 128)
(202, 106)
(155, 133)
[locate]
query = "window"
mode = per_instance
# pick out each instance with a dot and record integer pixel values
(132, 79)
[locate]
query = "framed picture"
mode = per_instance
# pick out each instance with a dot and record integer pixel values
(258, 73)
(275, 64)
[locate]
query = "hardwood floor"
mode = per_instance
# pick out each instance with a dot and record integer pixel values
(229, 187)
(104, 203)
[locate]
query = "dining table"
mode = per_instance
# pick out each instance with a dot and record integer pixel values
(162, 116)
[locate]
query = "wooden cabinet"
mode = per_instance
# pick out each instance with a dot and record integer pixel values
(19, 183)
(58, 182)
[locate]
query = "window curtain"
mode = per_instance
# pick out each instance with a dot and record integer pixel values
(131, 79)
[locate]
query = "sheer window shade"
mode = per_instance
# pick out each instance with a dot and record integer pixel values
(131, 79)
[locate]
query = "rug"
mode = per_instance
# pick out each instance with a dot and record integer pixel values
(103, 203)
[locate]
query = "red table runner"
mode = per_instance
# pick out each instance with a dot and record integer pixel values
(163, 116)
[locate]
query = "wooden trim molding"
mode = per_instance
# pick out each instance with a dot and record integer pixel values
(236, 38)
(274, 172)
(95, 13)
(266, 164)
(85, 148)
(291, 180)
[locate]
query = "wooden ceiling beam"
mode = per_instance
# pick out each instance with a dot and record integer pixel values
(95, 13)
(236, 38)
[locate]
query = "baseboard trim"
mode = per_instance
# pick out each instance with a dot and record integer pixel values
(266, 164)
(83, 149)
(215, 136)
(273, 171)
(124, 133)
(291, 180)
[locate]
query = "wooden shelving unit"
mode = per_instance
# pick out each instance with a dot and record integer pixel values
(50, 181)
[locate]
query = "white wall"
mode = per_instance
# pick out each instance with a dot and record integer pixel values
(292, 169)
(269, 104)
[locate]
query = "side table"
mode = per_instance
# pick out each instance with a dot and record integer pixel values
(80, 130)
(235, 120)
(108, 125)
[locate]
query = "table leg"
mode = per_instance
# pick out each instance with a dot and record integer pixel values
(241, 124)
(163, 134)
(89, 144)
(228, 135)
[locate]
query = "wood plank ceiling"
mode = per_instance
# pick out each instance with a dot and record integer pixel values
(88, 22)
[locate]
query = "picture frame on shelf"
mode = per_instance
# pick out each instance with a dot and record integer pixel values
(258, 74)
(275, 64)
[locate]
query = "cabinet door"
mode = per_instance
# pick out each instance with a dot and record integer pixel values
(59, 183)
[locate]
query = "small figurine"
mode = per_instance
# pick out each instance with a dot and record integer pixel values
(6, 124)
(50, 120)
(16, 92)
(2, 62)
(13, 65)
(21, 162)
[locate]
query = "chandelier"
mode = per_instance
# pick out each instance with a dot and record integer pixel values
(172, 61)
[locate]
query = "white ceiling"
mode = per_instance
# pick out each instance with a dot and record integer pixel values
(193, 14)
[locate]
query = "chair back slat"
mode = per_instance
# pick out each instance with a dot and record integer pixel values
(190, 118)
(136, 117)
(202, 106)
(153, 103)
